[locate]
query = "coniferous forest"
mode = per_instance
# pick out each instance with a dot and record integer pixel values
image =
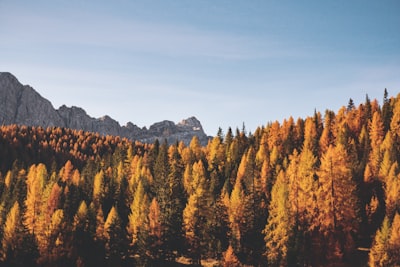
(317, 191)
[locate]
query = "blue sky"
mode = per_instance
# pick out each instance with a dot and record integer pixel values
(225, 62)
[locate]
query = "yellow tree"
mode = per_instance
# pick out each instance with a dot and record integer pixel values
(301, 172)
(66, 172)
(81, 236)
(10, 240)
(392, 191)
(337, 200)
(192, 225)
(36, 178)
(98, 188)
(19, 247)
(230, 259)
(327, 136)
(196, 213)
(138, 215)
(395, 122)
(236, 212)
(376, 133)
(279, 224)
(378, 255)
(56, 250)
(394, 241)
(153, 239)
(311, 135)
(113, 238)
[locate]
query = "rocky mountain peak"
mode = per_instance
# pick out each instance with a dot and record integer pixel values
(21, 104)
(192, 122)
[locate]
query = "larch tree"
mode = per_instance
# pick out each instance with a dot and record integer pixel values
(36, 180)
(10, 240)
(113, 238)
(301, 174)
(328, 133)
(56, 246)
(177, 198)
(192, 226)
(98, 188)
(138, 214)
(236, 211)
(376, 133)
(311, 135)
(337, 200)
(82, 239)
(279, 225)
(394, 241)
(392, 191)
(196, 213)
(19, 247)
(153, 242)
(378, 255)
(230, 259)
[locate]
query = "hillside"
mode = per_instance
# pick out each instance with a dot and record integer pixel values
(22, 105)
(318, 191)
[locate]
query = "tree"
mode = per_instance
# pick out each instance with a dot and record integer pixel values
(394, 241)
(192, 225)
(82, 238)
(378, 256)
(18, 245)
(196, 213)
(10, 239)
(392, 191)
(138, 215)
(327, 136)
(376, 133)
(301, 174)
(57, 251)
(98, 188)
(278, 228)
(230, 259)
(36, 179)
(337, 200)
(154, 232)
(386, 110)
(114, 239)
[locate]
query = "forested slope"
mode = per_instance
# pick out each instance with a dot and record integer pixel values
(319, 191)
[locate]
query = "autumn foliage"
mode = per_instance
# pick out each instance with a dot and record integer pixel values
(319, 191)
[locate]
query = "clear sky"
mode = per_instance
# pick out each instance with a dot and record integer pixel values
(225, 62)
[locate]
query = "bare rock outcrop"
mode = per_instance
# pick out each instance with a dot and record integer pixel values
(21, 104)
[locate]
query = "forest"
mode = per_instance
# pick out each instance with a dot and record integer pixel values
(317, 191)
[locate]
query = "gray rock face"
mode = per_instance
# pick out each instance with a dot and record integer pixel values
(21, 104)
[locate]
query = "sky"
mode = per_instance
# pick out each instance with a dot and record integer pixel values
(227, 63)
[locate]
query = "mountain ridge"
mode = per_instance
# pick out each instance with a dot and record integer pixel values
(23, 105)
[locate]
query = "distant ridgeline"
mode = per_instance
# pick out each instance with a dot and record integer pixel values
(22, 105)
(319, 191)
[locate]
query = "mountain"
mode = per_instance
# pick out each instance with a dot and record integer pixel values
(22, 105)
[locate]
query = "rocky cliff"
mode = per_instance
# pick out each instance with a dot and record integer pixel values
(21, 104)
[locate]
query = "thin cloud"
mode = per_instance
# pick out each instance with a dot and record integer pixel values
(139, 36)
